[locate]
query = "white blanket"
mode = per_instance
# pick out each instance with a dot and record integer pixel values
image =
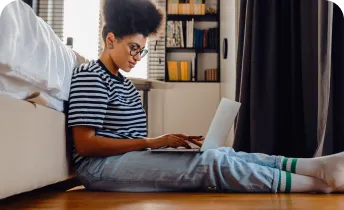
(23, 90)
(34, 53)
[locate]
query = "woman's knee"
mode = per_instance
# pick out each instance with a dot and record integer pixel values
(211, 155)
(229, 151)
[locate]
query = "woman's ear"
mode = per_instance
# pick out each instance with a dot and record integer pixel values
(110, 40)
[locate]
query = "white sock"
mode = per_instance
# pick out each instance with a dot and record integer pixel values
(304, 166)
(290, 164)
(284, 183)
(330, 168)
(289, 182)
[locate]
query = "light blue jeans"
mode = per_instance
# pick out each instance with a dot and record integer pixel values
(220, 170)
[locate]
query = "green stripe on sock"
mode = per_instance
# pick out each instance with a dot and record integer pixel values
(284, 166)
(293, 165)
(288, 182)
(279, 181)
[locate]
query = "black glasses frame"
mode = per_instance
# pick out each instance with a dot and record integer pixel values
(134, 52)
(142, 52)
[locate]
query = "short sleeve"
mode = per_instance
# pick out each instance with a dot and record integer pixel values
(88, 100)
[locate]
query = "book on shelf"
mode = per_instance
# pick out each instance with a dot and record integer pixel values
(175, 34)
(206, 38)
(187, 7)
(190, 33)
(199, 7)
(180, 70)
(210, 75)
(181, 34)
(184, 7)
(173, 7)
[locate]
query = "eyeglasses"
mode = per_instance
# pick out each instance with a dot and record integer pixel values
(134, 52)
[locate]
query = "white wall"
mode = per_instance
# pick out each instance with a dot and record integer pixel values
(184, 108)
(156, 112)
(228, 66)
(190, 108)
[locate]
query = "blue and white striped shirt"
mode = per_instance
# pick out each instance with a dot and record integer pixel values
(111, 104)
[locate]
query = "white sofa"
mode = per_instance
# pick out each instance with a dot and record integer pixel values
(33, 147)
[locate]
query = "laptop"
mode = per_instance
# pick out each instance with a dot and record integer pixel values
(219, 128)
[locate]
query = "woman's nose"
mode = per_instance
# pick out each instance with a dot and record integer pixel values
(137, 57)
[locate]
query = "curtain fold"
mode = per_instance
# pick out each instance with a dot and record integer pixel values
(284, 76)
(333, 141)
(325, 21)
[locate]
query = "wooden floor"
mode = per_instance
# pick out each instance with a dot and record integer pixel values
(83, 200)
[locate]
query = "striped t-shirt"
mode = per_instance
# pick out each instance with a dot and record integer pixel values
(111, 104)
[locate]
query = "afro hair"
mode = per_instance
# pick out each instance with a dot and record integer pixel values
(128, 17)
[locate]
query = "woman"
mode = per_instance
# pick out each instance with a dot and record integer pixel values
(110, 137)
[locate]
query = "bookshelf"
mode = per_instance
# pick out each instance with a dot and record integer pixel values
(207, 17)
(191, 49)
(192, 41)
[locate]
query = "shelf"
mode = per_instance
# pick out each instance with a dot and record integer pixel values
(202, 58)
(209, 17)
(193, 81)
(197, 50)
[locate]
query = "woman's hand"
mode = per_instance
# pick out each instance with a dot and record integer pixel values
(168, 140)
(196, 140)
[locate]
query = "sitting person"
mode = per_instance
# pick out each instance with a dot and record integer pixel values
(108, 123)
